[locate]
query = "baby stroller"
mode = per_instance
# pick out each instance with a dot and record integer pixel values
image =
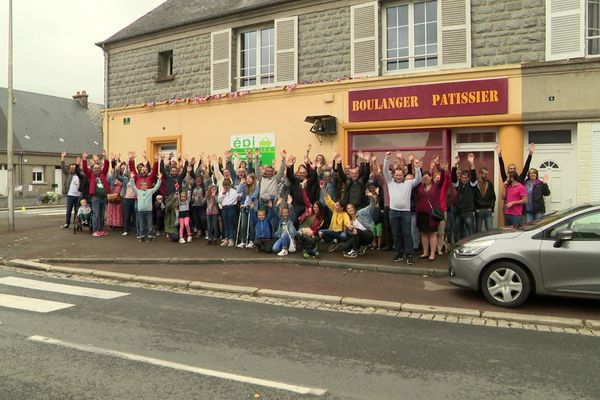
(79, 225)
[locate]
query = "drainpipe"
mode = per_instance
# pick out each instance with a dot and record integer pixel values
(105, 129)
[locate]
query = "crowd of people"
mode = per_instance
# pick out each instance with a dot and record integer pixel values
(293, 206)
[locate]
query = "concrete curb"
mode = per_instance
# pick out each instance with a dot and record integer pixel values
(34, 207)
(255, 260)
(549, 321)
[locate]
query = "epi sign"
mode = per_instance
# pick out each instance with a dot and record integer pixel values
(264, 142)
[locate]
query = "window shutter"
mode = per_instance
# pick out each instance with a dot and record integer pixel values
(220, 62)
(565, 21)
(286, 51)
(456, 33)
(595, 164)
(364, 46)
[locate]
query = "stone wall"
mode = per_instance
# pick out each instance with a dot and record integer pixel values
(507, 32)
(324, 45)
(132, 74)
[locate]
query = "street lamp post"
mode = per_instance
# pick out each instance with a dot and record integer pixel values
(9, 127)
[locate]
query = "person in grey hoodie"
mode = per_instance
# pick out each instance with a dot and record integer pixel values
(400, 190)
(144, 208)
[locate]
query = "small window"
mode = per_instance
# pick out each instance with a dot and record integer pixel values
(165, 65)
(549, 164)
(38, 175)
(127, 121)
(476, 137)
(550, 137)
(593, 27)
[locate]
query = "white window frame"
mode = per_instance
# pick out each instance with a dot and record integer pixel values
(239, 77)
(411, 44)
(585, 30)
(37, 170)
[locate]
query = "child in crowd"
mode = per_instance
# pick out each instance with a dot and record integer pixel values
(184, 217)
(286, 232)
(199, 206)
(339, 220)
(144, 208)
(84, 213)
(308, 243)
(262, 229)
(212, 215)
(159, 214)
(228, 200)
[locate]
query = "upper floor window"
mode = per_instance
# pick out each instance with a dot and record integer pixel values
(165, 65)
(572, 29)
(257, 57)
(411, 35)
(593, 27)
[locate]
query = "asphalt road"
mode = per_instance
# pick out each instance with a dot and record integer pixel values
(351, 356)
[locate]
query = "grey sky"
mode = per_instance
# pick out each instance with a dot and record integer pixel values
(53, 41)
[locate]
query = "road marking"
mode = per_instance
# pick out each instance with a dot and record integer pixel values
(59, 288)
(29, 304)
(181, 367)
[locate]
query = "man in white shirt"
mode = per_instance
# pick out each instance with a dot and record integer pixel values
(71, 185)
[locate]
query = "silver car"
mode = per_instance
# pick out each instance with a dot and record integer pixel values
(557, 255)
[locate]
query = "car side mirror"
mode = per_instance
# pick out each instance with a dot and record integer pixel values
(563, 236)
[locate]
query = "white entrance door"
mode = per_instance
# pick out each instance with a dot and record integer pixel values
(559, 165)
(3, 181)
(58, 179)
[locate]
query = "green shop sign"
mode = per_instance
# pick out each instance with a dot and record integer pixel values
(264, 142)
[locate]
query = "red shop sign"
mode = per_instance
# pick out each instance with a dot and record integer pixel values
(451, 99)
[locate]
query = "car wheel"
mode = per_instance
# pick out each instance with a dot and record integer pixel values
(505, 284)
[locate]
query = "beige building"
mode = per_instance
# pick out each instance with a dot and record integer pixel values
(430, 77)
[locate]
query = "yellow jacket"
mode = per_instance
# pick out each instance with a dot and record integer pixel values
(339, 220)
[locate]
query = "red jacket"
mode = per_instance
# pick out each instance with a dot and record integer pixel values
(89, 174)
(150, 179)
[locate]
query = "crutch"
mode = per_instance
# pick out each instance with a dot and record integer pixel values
(247, 227)
(237, 234)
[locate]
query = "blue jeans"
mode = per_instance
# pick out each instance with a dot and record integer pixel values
(282, 243)
(414, 231)
(128, 214)
(245, 219)
(532, 216)
(98, 208)
(72, 204)
(513, 220)
(229, 223)
(463, 224)
(400, 222)
(329, 235)
(483, 217)
(145, 219)
(212, 230)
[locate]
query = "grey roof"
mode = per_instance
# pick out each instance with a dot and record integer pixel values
(49, 124)
(175, 13)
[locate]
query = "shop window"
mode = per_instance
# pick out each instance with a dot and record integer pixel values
(550, 137)
(257, 57)
(38, 175)
(411, 36)
(397, 140)
(476, 137)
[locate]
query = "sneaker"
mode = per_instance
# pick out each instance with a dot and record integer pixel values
(125, 233)
(103, 233)
(351, 254)
(250, 245)
(198, 234)
(96, 234)
(317, 255)
(306, 255)
(224, 242)
(189, 239)
(283, 252)
(334, 246)
(241, 245)
(181, 240)
(362, 250)
(150, 239)
(410, 261)
(65, 226)
(206, 237)
(398, 257)
(140, 239)
(231, 243)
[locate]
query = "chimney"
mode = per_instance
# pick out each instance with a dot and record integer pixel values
(82, 97)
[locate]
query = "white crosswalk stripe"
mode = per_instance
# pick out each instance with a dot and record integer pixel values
(44, 306)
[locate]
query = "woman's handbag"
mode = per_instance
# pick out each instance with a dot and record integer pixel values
(436, 213)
